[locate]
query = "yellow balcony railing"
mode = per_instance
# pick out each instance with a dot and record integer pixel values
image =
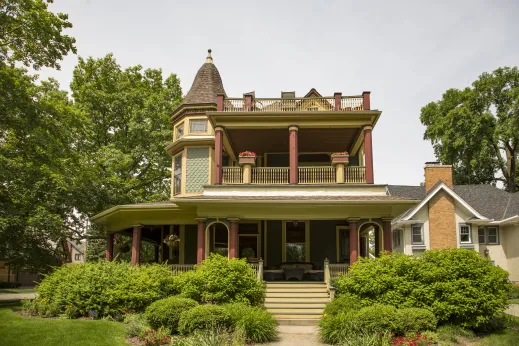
(317, 175)
(298, 104)
(232, 175)
(355, 175)
(269, 175)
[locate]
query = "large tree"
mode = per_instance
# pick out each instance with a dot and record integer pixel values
(477, 129)
(126, 125)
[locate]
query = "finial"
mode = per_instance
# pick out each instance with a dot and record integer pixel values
(209, 59)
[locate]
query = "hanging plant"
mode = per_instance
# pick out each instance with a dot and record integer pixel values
(247, 153)
(172, 240)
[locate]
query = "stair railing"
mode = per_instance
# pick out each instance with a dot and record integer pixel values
(260, 269)
(328, 280)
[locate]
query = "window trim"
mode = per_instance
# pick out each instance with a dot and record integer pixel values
(196, 132)
(469, 226)
(421, 233)
(396, 238)
(306, 243)
(485, 230)
(175, 137)
(181, 172)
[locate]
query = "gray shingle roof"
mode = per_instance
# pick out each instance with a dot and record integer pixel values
(206, 86)
(488, 200)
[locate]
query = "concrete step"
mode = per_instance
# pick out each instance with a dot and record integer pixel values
(297, 290)
(298, 321)
(287, 311)
(297, 295)
(294, 305)
(297, 317)
(293, 284)
(295, 300)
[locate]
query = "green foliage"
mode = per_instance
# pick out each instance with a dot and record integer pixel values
(343, 303)
(211, 337)
(10, 284)
(219, 280)
(166, 312)
(102, 288)
(514, 293)
(258, 325)
(204, 317)
(414, 320)
(452, 333)
(469, 128)
(135, 324)
(457, 285)
(155, 337)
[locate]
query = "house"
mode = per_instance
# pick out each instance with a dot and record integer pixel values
(76, 251)
(291, 180)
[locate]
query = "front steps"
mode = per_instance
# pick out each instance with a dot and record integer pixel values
(296, 303)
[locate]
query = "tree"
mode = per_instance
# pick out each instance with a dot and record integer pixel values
(477, 129)
(126, 125)
(32, 35)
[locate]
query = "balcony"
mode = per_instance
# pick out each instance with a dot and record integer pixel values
(306, 175)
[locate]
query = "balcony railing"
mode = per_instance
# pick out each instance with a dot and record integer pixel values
(317, 175)
(269, 175)
(307, 175)
(347, 103)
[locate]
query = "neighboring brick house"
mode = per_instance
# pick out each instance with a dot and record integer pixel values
(479, 217)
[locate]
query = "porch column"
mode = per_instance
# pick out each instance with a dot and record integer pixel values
(218, 147)
(110, 247)
(354, 239)
(200, 254)
(338, 98)
(377, 241)
(388, 237)
(294, 153)
(136, 245)
(234, 226)
(368, 153)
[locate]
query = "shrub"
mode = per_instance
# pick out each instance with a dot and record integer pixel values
(166, 312)
(99, 289)
(414, 320)
(257, 324)
(219, 280)
(343, 303)
(135, 325)
(214, 337)
(514, 292)
(452, 333)
(377, 318)
(335, 329)
(204, 317)
(158, 337)
(457, 285)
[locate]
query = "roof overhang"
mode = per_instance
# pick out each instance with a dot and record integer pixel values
(508, 221)
(175, 146)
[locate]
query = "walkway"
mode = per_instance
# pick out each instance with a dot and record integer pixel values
(16, 296)
(296, 336)
(513, 310)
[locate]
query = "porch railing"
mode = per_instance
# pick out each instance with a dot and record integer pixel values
(269, 175)
(232, 175)
(338, 269)
(355, 175)
(181, 268)
(347, 103)
(317, 175)
(258, 269)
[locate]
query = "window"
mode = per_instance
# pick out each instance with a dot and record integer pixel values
(465, 234)
(77, 257)
(179, 131)
(488, 235)
(295, 241)
(177, 174)
(396, 238)
(198, 126)
(417, 234)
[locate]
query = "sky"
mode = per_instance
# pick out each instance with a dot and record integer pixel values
(407, 53)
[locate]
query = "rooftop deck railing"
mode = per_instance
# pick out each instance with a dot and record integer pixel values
(345, 103)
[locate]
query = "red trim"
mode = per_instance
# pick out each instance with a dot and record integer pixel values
(354, 241)
(337, 97)
(200, 254)
(233, 243)
(218, 161)
(219, 103)
(136, 245)
(294, 153)
(368, 152)
(388, 237)
(109, 247)
(366, 100)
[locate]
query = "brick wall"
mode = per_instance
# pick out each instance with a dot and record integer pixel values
(437, 172)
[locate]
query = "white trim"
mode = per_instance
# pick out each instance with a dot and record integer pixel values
(452, 194)
(507, 221)
(422, 243)
(471, 241)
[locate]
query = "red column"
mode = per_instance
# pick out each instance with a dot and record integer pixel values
(219, 102)
(136, 245)
(218, 147)
(354, 240)
(366, 102)
(337, 97)
(294, 153)
(234, 226)
(200, 254)
(388, 237)
(368, 152)
(109, 253)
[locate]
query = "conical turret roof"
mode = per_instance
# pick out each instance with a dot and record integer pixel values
(207, 84)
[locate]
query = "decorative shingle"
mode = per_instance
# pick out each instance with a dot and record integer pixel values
(206, 86)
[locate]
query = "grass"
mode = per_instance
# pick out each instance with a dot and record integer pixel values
(16, 330)
(16, 290)
(514, 301)
(502, 338)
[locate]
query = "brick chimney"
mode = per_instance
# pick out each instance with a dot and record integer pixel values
(442, 210)
(434, 172)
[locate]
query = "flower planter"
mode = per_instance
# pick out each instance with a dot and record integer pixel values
(343, 158)
(250, 160)
(172, 243)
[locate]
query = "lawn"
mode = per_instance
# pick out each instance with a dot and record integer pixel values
(16, 290)
(514, 301)
(16, 330)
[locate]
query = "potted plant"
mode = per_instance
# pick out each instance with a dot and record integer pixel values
(172, 240)
(122, 244)
(247, 157)
(340, 157)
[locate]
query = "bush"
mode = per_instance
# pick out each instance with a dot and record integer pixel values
(514, 292)
(10, 284)
(212, 337)
(457, 285)
(135, 325)
(377, 318)
(414, 320)
(257, 324)
(204, 317)
(452, 333)
(166, 312)
(343, 303)
(219, 280)
(100, 289)
(158, 337)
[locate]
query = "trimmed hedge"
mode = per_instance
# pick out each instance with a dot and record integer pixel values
(99, 289)
(204, 317)
(341, 304)
(457, 285)
(258, 325)
(219, 280)
(166, 312)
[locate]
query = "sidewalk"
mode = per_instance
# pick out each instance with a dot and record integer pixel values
(513, 310)
(296, 336)
(16, 296)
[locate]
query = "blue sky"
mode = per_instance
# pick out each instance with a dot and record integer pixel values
(407, 53)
